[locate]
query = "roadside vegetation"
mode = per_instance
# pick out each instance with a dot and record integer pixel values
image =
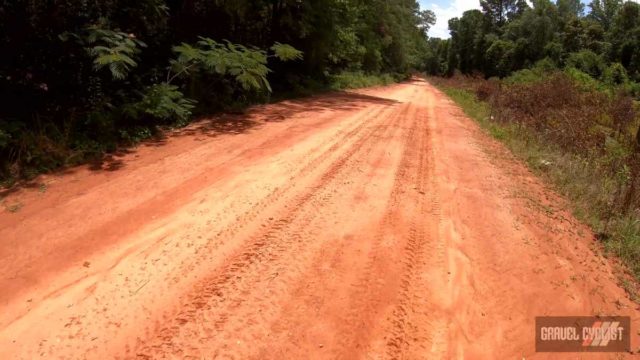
(559, 84)
(79, 79)
(582, 140)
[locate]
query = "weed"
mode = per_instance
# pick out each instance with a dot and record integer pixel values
(14, 208)
(580, 140)
(631, 289)
(625, 243)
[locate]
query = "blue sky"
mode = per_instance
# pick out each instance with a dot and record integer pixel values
(446, 10)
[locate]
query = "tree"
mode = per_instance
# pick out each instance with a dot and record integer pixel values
(501, 57)
(427, 19)
(604, 11)
(105, 78)
(500, 11)
(625, 38)
(570, 8)
(533, 32)
(467, 41)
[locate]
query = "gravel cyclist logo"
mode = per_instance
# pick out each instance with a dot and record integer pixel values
(583, 334)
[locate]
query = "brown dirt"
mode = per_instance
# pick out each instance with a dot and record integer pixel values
(380, 223)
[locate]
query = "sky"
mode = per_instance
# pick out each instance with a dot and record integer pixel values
(446, 10)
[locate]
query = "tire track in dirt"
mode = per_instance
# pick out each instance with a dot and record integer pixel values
(258, 213)
(386, 234)
(290, 332)
(374, 278)
(265, 255)
(129, 198)
(407, 333)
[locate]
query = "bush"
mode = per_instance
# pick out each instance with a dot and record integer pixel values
(615, 74)
(582, 79)
(501, 55)
(625, 242)
(525, 76)
(588, 62)
(105, 115)
(114, 50)
(486, 90)
(162, 102)
(540, 71)
(557, 108)
(623, 113)
(247, 66)
(545, 66)
(354, 80)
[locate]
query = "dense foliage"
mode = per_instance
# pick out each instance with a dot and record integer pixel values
(602, 41)
(79, 77)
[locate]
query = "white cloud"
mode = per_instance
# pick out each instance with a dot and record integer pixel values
(443, 14)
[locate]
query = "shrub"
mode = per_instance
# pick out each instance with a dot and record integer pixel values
(587, 61)
(582, 79)
(163, 102)
(557, 108)
(114, 50)
(615, 74)
(355, 79)
(486, 90)
(625, 242)
(545, 66)
(524, 76)
(501, 55)
(623, 113)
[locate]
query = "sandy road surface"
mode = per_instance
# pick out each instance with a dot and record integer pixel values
(374, 224)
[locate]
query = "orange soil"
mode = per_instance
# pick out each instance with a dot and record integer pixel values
(380, 223)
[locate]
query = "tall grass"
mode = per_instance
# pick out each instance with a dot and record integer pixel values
(594, 181)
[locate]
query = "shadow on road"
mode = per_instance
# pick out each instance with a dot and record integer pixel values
(223, 124)
(281, 111)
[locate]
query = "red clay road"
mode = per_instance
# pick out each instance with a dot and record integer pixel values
(379, 223)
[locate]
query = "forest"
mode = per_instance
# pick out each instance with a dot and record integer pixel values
(80, 78)
(601, 40)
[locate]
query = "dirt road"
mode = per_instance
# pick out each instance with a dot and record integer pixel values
(373, 224)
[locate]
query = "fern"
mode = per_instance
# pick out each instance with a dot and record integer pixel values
(286, 52)
(162, 101)
(109, 49)
(246, 65)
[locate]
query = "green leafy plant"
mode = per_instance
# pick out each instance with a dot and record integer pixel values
(14, 208)
(286, 52)
(354, 80)
(135, 135)
(247, 65)
(587, 62)
(162, 101)
(110, 49)
(615, 74)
